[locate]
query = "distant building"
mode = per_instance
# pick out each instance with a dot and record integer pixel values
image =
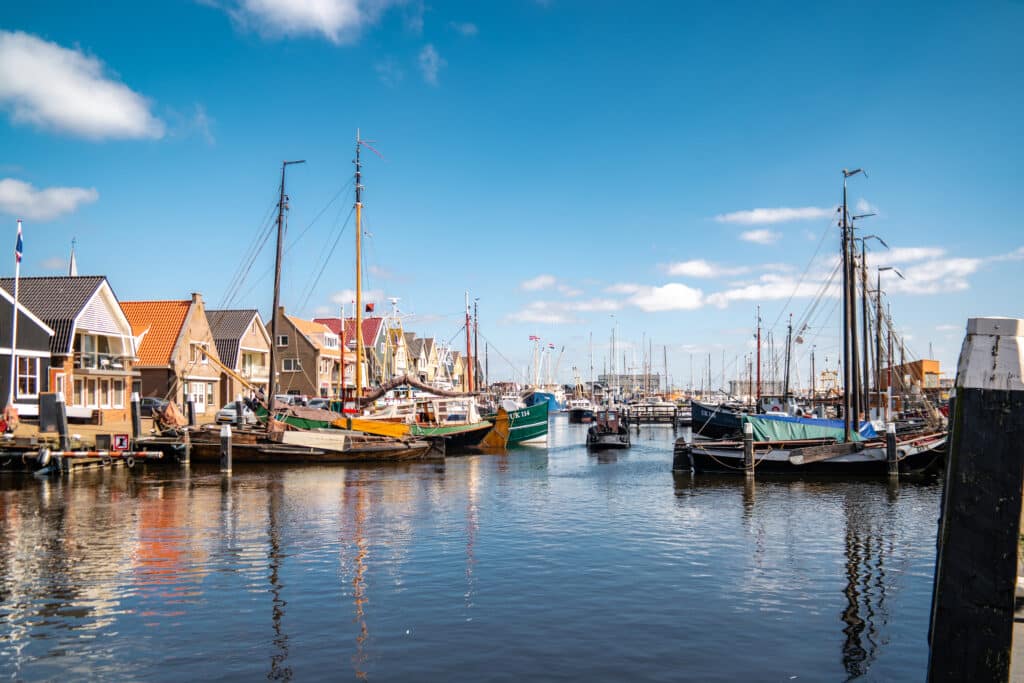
(630, 383)
(923, 373)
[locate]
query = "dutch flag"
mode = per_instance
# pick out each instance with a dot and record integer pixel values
(19, 247)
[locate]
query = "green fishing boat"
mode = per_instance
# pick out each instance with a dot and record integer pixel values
(528, 424)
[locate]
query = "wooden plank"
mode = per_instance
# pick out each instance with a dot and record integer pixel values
(806, 456)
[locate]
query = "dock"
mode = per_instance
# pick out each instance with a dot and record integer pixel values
(643, 413)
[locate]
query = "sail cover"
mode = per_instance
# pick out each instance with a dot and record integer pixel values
(786, 428)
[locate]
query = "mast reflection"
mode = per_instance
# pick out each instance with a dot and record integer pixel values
(279, 671)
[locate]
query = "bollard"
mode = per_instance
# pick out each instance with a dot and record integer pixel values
(62, 423)
(239, 412)
(225, 449)
(136, 416)
(190, 411)
(891, 454)
(748, 448)
(186, 457)
(971, 632)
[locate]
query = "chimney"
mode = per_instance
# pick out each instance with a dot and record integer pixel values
(197, 297)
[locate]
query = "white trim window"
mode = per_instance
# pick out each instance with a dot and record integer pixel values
(291, 365)
(198, 352)
(118, 389)
(282, 340)
(28, 377)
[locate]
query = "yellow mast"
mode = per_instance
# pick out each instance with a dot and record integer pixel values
(359, 279)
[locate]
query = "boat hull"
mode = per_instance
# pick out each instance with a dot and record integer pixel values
(249, 448)
(581, 415)
(714, 422)
(607, 441)
(528, 425)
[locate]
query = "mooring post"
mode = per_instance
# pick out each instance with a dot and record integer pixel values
(136, 416)
(971, 634)
(748, 449)
(891, 454)
(190, 411)
(62, 422)
(186, 456)
(239, 411)
(225, 449)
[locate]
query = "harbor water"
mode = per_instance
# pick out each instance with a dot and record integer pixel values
(546, 563)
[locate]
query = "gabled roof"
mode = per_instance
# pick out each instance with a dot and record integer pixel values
(311, 328)
(159, 324)
(371, 328)
(428, 346)
(415, 345)
(27, 313)
(228, 327)
(57, 301)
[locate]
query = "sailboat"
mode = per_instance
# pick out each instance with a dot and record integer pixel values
(282, 437)
(797, 444)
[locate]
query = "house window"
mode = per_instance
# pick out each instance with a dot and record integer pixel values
(90, 398)
(105, 393)
(28, 377)
(198, 352)
(282, 340)
(209, 393)
(118, 400)
(79, 395)
(292, 365)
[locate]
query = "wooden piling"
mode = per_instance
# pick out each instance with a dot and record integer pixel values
(748, 449)
(136, 416)
(891, 454)
(225, 449)
(62, 423)
(971, 633)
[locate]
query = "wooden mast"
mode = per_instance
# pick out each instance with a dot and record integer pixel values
(359, 276)
(758, 358)
(281, 206)
(469, 346)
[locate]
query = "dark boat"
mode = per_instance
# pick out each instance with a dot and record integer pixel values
(610, 430)
(581, 411)
(715, 422)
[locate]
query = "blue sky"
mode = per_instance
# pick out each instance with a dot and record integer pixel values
(669, 164)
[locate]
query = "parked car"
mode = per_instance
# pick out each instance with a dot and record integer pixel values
(150, 403)
(287, 399)
(321, 403)
(229, 414)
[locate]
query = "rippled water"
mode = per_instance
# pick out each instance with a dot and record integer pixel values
(546, 563)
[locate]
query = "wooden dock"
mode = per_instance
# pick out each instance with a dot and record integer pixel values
(642, 413)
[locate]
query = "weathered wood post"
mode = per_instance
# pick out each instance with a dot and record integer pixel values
(748, 449)
(971, 634)
(891, 454)
(225, 449)
(136, 416)
(62, 423)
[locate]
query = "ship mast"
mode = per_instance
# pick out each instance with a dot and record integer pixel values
(281, 206)
(850, 385)
(359, 275)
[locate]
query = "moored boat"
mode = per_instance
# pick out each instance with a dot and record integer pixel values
(609, 430)
(581, 410)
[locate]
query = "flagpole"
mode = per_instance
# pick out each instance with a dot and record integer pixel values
(14, 317)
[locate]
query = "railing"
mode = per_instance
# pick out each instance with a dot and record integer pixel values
(92, 360)
(257, 371)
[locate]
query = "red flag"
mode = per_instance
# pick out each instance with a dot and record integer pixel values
(369, 308)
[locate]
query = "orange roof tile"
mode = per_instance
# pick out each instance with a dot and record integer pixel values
(311, 328)
(163, 320)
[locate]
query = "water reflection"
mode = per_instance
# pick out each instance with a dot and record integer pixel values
(279, 671)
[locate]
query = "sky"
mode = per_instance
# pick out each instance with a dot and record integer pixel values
(656, 169)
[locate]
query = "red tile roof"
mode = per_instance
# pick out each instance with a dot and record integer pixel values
(161, 321)
(371, 328)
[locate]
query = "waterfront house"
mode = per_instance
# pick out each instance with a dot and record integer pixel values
(373, 336)
(92, 350)
(417, 356)
(307, 355)
(175, 345)
(32, 364)
(243, 345)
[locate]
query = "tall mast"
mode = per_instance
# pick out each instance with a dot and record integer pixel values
(469, 347)
(14, 319)
(878, 339)
(865, 377)
(282, 204)
(359, 274)
(758, 354)
(789, 346)
(849, 331)
(476, 337)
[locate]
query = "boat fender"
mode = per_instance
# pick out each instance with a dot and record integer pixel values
(43, 459)
(129, 461)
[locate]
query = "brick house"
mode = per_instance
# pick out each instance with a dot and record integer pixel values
(243, 344)
(175, 342)
(307, 355)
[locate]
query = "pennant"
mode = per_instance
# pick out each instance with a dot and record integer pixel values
(369, 308)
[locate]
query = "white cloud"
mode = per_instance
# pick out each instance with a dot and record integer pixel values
(202, 124)
(933, 277)
(778, 215)
(430, 63)
(702, 268)
(347, 296)
(569, 291)
(761, 236)
(389, 73)
(339, 21)
(623, 288)
(465, 28)
(1015, 255)
(22, 200)
(539, 312)
(54, 88)
(54, 263)
(673, 296)
(864, 206)
(772, 287)
(539, 282)
(900, 256)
